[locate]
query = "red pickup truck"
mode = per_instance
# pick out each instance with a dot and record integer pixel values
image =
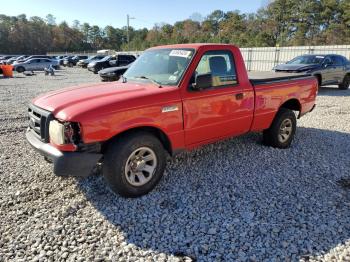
(173, 98)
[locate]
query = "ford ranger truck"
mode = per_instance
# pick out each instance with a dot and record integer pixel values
(172, 98)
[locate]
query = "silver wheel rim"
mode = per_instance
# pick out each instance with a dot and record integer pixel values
(285, 132)
(140, 166)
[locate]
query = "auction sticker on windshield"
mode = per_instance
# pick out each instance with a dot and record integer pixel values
(180, 53)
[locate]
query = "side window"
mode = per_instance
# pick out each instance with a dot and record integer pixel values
(221, 67)
(328, 61)
(339, 60)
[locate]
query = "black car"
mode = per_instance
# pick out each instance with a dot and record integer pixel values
(61, 58)
(328, 69)
(113, 73)
(84, 62)
(73, 60)
(111, 61)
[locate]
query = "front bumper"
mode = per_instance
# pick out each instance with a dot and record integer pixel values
(79, 164)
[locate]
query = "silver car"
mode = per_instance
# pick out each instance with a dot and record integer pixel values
(35, 64)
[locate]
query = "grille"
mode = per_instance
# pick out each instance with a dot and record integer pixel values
(39, 120)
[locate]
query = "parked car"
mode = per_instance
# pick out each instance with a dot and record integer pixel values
(35, 64)
(328, 69)
(73, 60)
(84, 62)
(98, 65)
(122, 60)
(4, 58)
(110, 61)
(61, 59)
(173, 98)
(10, 60)
(31, 57)
(112, 73)
(14, 59)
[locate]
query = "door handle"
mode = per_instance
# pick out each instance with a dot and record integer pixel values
(239, 96)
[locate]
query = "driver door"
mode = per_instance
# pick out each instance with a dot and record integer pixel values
(327, 70)
(224, 109)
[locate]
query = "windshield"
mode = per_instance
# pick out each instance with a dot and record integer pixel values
(307, 60)
(105, 59)
(164, 66)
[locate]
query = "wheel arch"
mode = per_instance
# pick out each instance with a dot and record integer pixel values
(157, 132)
(292, 104)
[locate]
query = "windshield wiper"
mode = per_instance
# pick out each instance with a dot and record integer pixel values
(150, 79)
(124, 79)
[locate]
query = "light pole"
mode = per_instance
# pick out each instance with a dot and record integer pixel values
(128, 18)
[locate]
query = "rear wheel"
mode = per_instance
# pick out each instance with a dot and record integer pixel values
(134, 164)
(346, 83)
(20, 69)
(282, 130)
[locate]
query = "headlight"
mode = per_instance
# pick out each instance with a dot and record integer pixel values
(111, 74)
(64, 133)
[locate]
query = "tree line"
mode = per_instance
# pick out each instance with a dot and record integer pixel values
(280, 23)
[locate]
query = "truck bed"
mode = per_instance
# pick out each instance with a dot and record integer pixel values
(258, 78)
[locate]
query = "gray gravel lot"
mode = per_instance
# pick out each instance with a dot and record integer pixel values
(231, 201)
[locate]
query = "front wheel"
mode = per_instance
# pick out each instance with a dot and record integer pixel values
(134, 164)
(282, 130)
(346, 83)
(20, 69)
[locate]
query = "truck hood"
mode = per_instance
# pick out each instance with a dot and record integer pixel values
(71, 104)
(293, 67)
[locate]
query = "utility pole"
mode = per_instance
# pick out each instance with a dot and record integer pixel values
(128, 18)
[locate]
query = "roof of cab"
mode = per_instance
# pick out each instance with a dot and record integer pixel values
(193, 46)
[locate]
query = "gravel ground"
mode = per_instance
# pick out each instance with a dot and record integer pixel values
(232, 201)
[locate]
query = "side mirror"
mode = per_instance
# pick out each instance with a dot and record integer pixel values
(202, 81)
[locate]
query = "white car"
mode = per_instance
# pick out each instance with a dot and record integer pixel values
(35, 64)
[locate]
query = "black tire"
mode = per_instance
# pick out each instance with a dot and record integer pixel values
(319, 80)
(273, 136)
(346, 83)
(20, 69)
(70, 64)
(117, 156)
(99, 69)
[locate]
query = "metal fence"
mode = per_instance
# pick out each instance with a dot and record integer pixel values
(260, 58)
(88, 53)
(265, 58)
(93, 52)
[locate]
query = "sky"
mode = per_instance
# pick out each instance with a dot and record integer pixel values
(109, 12)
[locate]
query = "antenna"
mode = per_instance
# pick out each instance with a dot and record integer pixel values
(128, 18)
